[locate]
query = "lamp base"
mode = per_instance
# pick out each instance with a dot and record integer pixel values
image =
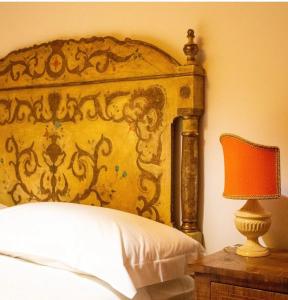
(252, 221)
(252, 249)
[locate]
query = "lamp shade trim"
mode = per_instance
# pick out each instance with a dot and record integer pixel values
(251, 197)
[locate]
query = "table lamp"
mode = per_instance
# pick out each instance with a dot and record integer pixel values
(252, 172)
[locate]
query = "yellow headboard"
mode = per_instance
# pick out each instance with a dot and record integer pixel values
(89, 121)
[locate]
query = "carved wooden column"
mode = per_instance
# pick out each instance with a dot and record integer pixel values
(190, 158)
(190, 176)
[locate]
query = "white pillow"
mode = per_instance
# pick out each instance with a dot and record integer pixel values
(2, 206)
(125, 250)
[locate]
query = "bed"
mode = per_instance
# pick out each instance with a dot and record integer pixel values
(99, 145)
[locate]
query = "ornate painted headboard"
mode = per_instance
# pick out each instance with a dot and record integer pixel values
(89, 121)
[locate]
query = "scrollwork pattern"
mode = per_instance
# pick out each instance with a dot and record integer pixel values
(53, 184)
(53, 60)
(27, 66)
(141, 109)
(25, 165)
(48, 110)
(144, 113)
(79, 165)
(84, 60)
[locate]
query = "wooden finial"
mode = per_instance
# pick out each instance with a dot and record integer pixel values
(190, 49)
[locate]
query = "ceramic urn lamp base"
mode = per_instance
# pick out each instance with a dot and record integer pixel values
(252, 221)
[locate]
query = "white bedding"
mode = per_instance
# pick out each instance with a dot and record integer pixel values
(126, 251)
(22, 280)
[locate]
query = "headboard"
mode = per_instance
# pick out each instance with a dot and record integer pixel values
(89, 121)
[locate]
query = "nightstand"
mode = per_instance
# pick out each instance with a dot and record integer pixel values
(226, 275)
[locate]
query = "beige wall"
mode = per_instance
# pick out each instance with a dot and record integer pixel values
(245, 53)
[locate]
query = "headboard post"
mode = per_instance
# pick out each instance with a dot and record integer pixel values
(190, 145)
(190, 176)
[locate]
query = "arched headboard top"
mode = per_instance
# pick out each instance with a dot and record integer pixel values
(82, 61)
(89, 122)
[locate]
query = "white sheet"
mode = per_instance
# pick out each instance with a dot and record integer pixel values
(22, 280)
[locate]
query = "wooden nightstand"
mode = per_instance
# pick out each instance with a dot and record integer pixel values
(226, 275)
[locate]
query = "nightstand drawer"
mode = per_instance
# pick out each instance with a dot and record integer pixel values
(220, 291)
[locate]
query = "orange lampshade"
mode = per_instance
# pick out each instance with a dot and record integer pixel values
(251, 170)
